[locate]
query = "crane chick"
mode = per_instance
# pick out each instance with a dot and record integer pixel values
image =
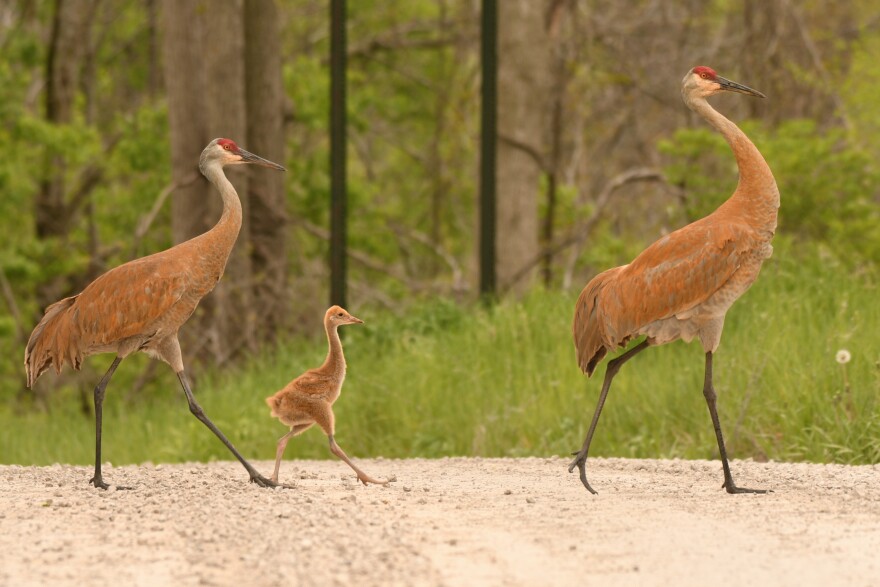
(309, 398)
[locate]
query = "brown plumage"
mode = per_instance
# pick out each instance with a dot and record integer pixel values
(139, 306)
(682, 285)
(309, 398)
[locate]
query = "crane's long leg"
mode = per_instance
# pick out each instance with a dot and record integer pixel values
(710, 395)
(362, 477)
(580, 461)
(199, 413)
(100, 389)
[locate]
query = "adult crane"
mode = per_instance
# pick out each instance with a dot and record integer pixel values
(682, 285)
(139, 306)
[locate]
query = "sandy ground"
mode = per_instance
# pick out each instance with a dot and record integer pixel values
(449, 522)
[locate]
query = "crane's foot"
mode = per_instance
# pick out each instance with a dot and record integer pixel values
(731, 487)
(98, 482)
(580, 461)
(274, 479)
(264, 482)
(364, 478)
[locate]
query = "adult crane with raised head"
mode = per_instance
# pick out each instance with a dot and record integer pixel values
(141, 305)
(681, 286)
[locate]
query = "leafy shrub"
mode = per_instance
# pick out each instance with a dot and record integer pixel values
(829, 188)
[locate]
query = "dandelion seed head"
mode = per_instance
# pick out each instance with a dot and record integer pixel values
(843, 357)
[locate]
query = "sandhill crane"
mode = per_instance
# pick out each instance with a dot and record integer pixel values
(682, 285)
(309, 398)
(139, 306)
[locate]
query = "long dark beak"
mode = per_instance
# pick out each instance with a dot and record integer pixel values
(732, 86)
(247, 157)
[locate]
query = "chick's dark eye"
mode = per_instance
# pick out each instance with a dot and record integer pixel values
(339, 314)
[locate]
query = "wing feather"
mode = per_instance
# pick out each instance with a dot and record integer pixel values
(677, 273)
(671, 277)
(128, 300)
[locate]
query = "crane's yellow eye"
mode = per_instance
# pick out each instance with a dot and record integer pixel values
(704, 75)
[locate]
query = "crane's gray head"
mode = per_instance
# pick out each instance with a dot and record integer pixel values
(226, 152)
(703, 82)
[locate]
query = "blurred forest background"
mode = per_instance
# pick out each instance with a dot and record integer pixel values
(105, 106)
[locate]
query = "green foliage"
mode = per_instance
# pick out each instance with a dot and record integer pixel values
(441, 379)
(118, 133)
(433, 377)
(828, 186)
(411, 124)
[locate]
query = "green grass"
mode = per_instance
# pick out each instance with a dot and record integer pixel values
(502, 381)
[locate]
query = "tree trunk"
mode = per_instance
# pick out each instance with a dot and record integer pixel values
(187, 121)
(69, 37)
(154, 84)
(204, 80)
(187, 116)
(264, 97)
(234, 319)
(524, 79)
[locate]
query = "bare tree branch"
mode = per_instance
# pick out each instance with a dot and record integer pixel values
(458, 282)
(362, 258)
(147, 220)
(581, 232)
(525, 148)
(90, 178)
(414, 35)
(9, 297)
(816, 58)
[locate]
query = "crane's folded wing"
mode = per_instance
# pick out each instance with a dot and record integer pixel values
(671, 277)
(130, 300)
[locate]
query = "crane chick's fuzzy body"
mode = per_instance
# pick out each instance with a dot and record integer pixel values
(683, 284)
(308, 399)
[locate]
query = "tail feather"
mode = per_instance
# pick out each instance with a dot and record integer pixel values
(593, 330)
(272, 402)
(53, 342)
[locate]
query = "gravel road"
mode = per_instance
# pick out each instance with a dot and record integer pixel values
(469, 522)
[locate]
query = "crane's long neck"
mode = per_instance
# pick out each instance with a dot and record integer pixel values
(221, 238)
(335, 360)
(756, 198)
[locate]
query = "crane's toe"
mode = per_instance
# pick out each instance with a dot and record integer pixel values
(580, 461)
(264, 482)
(733, 489)
(98, 482)
(365, 479)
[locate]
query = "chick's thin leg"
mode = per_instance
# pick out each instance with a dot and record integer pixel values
(282, 444)
(362, 477)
